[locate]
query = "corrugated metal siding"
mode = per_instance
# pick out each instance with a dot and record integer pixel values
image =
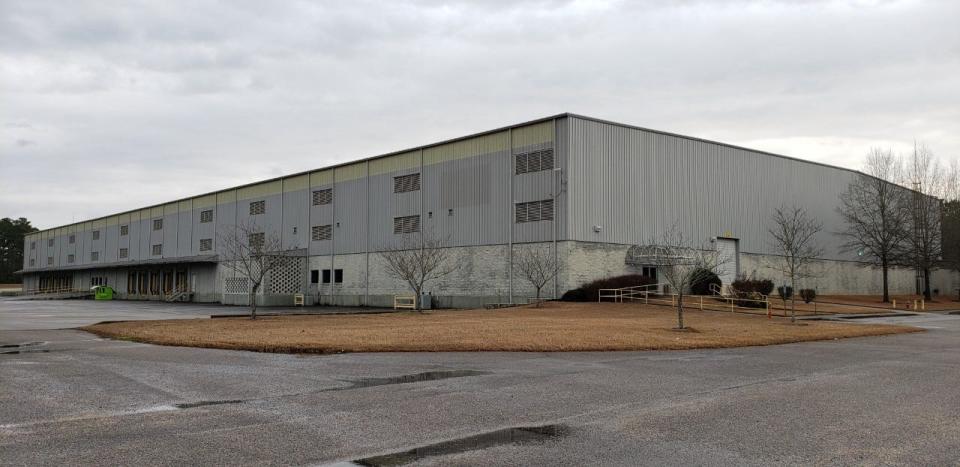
(636, 183)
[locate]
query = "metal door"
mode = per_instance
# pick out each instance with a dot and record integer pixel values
(729, 254)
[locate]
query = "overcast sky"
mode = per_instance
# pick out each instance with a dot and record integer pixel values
(109, 106)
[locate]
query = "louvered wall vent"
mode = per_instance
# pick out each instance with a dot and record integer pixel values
(405, 183)
(534, 161)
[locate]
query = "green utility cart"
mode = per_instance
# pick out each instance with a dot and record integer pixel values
(103, 292)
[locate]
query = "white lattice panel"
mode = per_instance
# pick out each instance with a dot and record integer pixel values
(288, 278)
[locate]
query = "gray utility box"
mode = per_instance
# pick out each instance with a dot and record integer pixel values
(426, 301)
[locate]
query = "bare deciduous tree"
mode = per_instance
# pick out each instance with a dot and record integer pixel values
(417, 260)
(794, 238)
(926, 176)
(252, 255)
(951, 220)
(538, 266)
(680, 263)
(872, 207)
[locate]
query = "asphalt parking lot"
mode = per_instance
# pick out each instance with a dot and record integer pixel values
(67, 397)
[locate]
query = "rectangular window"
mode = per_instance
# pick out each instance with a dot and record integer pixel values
(157, 250)
(124, 253)
(534, 211)
(206, 216)
(206, 244)
(321, 232)
(71, 258)
(534, 161)
(124, 230)
(258, 207)
(314, 276)
(49, 260)
(96, 235)
(321, 197)
(255, 240)
(326, 276)
(406, 224)
(405, 183)
(50, 242)
(73, 239)
(94, 256)
(338, 276)
(158, 224)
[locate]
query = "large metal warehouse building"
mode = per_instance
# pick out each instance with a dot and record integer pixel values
(584, 188)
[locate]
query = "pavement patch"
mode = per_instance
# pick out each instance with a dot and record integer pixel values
(514, 435)
(407, 379)
(190, 405)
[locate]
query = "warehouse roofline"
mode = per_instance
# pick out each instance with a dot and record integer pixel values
(451, 140)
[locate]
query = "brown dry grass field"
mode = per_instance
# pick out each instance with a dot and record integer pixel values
(554, 327)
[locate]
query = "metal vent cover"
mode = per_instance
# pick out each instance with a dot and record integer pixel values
(321, 197)
(406, 224)
(405, 183)
(321, 232)
(534, 211)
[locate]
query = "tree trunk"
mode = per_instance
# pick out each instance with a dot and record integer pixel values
(926, 284)
(793, 302)
(253, 304)
(886, 287)
(679, 311)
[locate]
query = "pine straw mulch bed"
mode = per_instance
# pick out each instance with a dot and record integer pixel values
(554, 327)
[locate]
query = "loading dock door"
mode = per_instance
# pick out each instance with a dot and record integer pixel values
(728, 251)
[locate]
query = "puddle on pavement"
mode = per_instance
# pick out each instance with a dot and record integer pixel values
(25, 344)
(515, 435)
(406, 379)
(190, 405)
(17, 352)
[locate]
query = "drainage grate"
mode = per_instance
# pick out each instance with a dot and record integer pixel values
(515, 435)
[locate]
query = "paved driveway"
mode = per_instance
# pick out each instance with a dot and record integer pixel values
(61, 314)
(70, 398)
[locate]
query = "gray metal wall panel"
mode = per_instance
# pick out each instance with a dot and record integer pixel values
(111, 235)
(135, 239)
(296, 210)
(185, 238)
(203, 230)
(268, 222)
(452, 185)
(225, 218)
(383, 209)
(350, 201)
(170, 228)
(151, 237)
(320, 215)
(637, 183)
(534, 186)
(495, 172)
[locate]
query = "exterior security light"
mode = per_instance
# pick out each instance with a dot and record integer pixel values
(597, 228)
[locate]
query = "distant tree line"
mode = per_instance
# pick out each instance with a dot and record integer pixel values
(12, 232)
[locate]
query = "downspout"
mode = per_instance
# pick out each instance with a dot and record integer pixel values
(510, 219)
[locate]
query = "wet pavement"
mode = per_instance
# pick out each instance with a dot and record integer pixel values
(66, 314)
(70, 397)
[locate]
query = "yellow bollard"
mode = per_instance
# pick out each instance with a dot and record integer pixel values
(894, 304)
(914, 305)
(701, 303)
(923, 305)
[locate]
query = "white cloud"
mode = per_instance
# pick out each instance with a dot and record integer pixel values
(138, 103)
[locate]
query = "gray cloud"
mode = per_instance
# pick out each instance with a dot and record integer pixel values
(142, 102)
